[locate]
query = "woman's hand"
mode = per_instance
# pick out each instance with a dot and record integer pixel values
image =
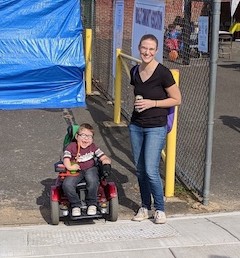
(143, 104)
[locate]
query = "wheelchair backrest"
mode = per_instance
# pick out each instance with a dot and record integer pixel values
(70, 136)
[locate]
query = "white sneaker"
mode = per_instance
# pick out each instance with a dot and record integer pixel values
(92, 210)
(160, 217)
(143, 213)
(76, 211)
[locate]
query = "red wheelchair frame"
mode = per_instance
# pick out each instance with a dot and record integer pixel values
(60, 206)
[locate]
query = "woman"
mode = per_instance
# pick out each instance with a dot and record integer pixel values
(148, 126)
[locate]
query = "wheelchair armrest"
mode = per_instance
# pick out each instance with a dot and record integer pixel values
(59, 167)
(104, 170)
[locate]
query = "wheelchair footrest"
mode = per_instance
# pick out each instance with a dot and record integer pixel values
(85, 216)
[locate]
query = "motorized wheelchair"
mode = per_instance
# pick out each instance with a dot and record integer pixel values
(60, 206)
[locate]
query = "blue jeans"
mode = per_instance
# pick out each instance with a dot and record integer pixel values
(69, 185)
(147, 145)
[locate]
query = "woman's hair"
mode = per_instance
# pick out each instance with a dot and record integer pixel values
(86, 126)
(148, 36)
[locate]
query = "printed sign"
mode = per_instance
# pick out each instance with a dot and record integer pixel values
(203, 34)
(148, 18)
(118, 29)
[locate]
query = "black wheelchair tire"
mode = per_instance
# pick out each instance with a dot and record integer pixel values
(113, 209)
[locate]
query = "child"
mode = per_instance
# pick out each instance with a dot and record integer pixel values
(173, 38)
(80, 156)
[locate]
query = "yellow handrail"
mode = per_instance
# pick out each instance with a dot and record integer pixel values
(88, 60)
(118, 89)
(171, 146)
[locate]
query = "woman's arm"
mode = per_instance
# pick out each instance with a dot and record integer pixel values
(174, 99)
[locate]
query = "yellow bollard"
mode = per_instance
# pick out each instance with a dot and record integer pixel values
(118, 88)
(88, 59)
(170, 158)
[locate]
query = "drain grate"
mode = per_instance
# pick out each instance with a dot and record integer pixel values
(103, 233)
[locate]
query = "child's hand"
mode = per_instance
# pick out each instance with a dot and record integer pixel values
(75, 167)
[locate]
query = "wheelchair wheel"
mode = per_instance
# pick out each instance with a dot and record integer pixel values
(55, 212)
(113, 209)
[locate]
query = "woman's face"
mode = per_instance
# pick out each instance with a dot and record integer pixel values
(148, 50)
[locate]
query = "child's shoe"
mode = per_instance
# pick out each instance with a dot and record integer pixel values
(76, 211)
(92, 210)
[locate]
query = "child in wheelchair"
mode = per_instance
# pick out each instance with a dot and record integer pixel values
(79, 158)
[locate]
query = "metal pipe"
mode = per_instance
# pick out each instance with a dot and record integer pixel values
(212, 92)
(118, 88)
(130, 58)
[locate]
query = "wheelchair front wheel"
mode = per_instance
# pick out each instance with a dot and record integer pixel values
(113, 209)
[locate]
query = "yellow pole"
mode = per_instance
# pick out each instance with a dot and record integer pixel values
(170, 159)
(118, 88)
(88, 56)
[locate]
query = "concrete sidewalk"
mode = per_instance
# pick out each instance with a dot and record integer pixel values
(211, 235)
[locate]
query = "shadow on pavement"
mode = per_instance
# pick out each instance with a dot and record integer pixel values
(43, 201)
(232, 66)
(231, 121)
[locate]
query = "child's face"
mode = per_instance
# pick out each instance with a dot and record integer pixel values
(84, 138)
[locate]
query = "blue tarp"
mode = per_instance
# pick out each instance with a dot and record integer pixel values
(41, 54)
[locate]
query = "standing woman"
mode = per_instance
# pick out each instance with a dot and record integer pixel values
(148, 127)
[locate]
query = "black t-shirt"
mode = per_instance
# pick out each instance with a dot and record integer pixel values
(153, 88)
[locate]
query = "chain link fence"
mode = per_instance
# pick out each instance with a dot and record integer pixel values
(194, 75)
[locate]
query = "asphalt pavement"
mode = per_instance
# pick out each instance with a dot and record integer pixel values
(31, 142)
(224, 189)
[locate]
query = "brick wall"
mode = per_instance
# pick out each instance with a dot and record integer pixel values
(104, 18)
(104, 15)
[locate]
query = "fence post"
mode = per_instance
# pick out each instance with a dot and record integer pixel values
(212, 93)
(118, 88)
(170, 159)
(88, 54)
